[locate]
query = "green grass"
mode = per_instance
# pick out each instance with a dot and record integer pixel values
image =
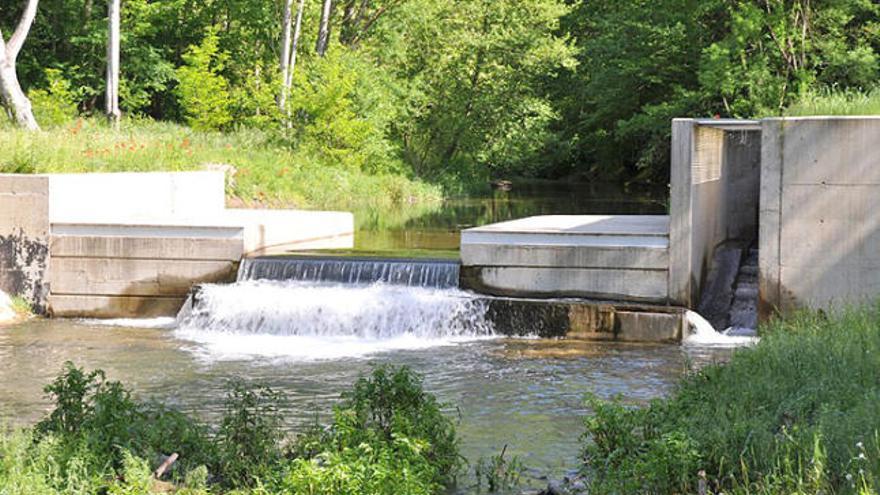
(837, 103)
(798, 413)
(266, 173)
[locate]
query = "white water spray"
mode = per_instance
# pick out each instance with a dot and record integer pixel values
(703, 334)
(305, 320)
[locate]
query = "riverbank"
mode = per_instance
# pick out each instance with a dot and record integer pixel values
(387, 436)
(798, 413)
(261, 170)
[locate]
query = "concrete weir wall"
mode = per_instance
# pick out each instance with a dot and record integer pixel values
(820, 212)
(24, 237)
(113, 245)
(713, 198)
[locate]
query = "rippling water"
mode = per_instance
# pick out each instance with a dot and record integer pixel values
(524, 393)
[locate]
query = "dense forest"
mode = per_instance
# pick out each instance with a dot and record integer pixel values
(450, 91)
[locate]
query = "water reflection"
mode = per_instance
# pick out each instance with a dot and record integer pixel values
(433, 230)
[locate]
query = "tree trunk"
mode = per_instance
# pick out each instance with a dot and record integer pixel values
(112, 96)
(324, 31)
(284, 61)
(287, 82)
(17, 104)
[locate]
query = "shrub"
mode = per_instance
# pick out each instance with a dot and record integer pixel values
(250, 434)
(100, 418)
(388, 436)
(392, 403)
(55, 104)
(201, 88)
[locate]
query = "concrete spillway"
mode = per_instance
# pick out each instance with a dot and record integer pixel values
(414, 273)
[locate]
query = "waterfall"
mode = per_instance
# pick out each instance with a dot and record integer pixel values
(703, 334)
(320, 320)
(414, 273)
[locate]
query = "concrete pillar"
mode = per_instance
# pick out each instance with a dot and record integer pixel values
(772, 137)
(680, 211)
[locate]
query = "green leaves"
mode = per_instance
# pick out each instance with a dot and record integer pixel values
(203, 91)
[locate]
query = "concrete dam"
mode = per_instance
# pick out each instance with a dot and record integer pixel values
(756, 211)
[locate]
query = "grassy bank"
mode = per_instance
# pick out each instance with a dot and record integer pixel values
(799, 413)
(837, 103)
(387, 436)
(266, 172)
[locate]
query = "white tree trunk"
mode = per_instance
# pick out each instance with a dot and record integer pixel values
(324, 31)
(16, 102)
(285, 51)
(112, 97)
(287, 82)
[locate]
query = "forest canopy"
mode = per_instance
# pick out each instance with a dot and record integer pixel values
(452, 91)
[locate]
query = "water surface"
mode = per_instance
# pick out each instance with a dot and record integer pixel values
(526, 394)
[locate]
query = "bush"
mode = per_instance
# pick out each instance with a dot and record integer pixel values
(388, 437)
(99, 418)
(56, 104)
(798, 413)
(202, 90)
(250, 434)
(392, 404)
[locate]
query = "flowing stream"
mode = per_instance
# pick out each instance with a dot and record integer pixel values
(310, 327)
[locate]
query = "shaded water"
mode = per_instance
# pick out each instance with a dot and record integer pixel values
(433, 230)
(525, 393)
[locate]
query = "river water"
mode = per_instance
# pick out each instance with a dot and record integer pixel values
(311, 340)
(527, 394)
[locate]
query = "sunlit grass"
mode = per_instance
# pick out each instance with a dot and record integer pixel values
(266, 173)
(837, 102)
(798, 413)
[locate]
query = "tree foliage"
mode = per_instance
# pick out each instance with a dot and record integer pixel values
(457, 91)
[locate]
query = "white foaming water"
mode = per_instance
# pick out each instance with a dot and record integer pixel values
(307, 321)
(703, 334)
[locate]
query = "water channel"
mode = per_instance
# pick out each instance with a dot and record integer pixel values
(312, 339)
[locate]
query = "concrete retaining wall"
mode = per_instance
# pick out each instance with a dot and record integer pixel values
(24, 237)
(136, 196)
(114, 271)
(820, 212)
(714, 197)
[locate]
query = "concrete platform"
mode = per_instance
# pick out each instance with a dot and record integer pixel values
(132, 244)
(616, 257)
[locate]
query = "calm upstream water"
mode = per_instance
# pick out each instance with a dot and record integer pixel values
(433, 230)
(312, 339)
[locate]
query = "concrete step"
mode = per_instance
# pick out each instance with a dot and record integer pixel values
(619, 257)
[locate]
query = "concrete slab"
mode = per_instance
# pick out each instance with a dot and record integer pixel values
(613, 284)
(135, 277)
(617, 225)
(621, 257)
(134, 196)
(169, 248)
(79, 306)
(563, 255)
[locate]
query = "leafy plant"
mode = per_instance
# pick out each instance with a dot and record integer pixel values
(498, 473)
(392, 403)
(250, 433)
(201, 87)
(56, 103)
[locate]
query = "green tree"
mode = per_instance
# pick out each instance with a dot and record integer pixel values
(202, 89)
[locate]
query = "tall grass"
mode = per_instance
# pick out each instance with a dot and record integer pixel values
(799, 413)
(267, 173)
(837, 102)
